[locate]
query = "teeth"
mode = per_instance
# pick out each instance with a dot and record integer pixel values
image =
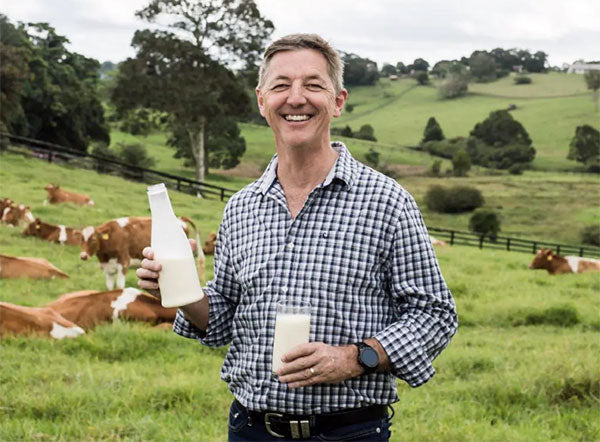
(297, 117)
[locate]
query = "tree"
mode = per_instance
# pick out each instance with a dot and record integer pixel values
(585, 147)
(401, 68)
(418, 65)
(433, 131)
(388, 70)
(592, 79)
(366, 132)
(53, 92)
(422, 78)
(372, 158)
(461, 162)
(185, 73)
(359, 71)
(454, 85)
(483, 66)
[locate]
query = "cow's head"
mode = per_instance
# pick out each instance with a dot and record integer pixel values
(543, 259)
(19, 216)
(91, 242)
(51, 188)
(33, 229)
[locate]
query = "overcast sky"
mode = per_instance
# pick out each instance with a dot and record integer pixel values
(382, 30)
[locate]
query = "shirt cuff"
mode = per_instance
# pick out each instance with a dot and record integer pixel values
(408, 359)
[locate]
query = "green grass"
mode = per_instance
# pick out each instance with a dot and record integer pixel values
(552, 84)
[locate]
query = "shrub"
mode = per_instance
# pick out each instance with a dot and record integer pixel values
(349, 108)
(366, 132)
(522, 79)
(100, 149)
(461, 162)
(135, 154)
(516, 169)
(454, 199)
(591, 235)
(347, 132)
(372, 158)
(433, 131)
(436, 167)
(422, 78)
(454, 85)
(501, 129)
(485, 222)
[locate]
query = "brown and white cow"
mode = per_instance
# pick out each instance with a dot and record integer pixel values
(56, 195)
(4, 203)
(437, 242)
(556, 264)
(118, 244)
(49, 232)
(89, 308)
(19, 320)
(17, 215)
(26, 267)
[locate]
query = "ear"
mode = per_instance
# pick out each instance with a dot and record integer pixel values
(260, 100)
(340, 100)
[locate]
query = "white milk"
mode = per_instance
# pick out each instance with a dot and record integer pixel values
(178, 282)
(290, 330)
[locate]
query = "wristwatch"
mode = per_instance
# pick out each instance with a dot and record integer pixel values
(367, 357)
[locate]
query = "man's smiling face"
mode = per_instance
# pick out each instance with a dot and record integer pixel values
(298, 98)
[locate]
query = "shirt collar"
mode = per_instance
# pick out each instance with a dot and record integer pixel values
(344, 169)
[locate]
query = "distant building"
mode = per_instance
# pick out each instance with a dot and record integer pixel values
(581, 68)
(393, 77)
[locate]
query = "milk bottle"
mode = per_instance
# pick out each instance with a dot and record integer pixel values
(292, 327)
(178, 280)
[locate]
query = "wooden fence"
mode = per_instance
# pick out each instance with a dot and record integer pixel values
(55, 153)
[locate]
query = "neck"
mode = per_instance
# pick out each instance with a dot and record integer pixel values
(304, 167)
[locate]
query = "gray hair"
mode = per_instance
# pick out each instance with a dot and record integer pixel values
(294, 42)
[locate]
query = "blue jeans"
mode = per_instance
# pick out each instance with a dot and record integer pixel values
(242, 428)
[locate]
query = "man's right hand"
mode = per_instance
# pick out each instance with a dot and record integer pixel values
(148, 273)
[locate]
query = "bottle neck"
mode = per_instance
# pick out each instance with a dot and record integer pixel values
(160, 205)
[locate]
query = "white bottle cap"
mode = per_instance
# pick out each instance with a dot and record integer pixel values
(156, 188)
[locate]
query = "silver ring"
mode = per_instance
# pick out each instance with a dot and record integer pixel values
(312, 371)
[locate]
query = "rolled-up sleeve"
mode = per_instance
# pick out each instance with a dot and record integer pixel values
(425, 319)
(223, 296)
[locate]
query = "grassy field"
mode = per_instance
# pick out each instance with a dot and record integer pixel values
(524, 365)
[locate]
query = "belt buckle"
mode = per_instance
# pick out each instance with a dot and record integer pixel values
(268, 424)
(298, 429)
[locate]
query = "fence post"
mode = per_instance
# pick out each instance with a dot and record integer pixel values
(222, 194)
(452, 238)
(178, 184)
(481, 242)
(50, 154)
(558, 249)
(534, 250)
(508, 244)
(581, 251)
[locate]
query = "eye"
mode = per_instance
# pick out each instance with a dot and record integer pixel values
(314, 87)
(279, 87)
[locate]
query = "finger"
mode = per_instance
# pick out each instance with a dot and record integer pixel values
(148, 253)
(147, 284)
(150, 264)
(193, 244)
(142, 273)
(300, 351)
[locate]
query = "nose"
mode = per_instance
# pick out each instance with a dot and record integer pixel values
(296, 95)
(83, 255)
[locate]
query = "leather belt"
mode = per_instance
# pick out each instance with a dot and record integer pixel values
(284, 425)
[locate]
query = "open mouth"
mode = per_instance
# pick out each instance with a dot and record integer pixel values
(297, 117)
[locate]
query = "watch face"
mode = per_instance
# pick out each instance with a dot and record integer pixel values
(369, 357)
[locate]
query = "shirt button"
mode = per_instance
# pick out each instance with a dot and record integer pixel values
(284, 289)
(325, 234)
(290, 245)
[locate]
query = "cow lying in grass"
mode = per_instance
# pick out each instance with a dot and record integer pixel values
(556, 264)
(56, 195)
(17, 215)
(90, 308)
(49, 232)
(19, 320)
(21, 267)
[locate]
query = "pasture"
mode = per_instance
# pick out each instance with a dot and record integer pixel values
(524, 365)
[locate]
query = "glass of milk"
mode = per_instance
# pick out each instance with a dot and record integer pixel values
(292, 327)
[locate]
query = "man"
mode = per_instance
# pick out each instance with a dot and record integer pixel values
(318, 226)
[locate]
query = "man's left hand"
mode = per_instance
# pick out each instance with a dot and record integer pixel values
(329, 364)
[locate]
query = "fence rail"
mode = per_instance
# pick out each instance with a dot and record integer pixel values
(455, 237)
(55, 153)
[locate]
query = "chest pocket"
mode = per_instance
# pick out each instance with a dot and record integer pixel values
(254, 262)
(346, 258)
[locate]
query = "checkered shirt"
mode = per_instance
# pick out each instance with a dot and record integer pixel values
(359, 252)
